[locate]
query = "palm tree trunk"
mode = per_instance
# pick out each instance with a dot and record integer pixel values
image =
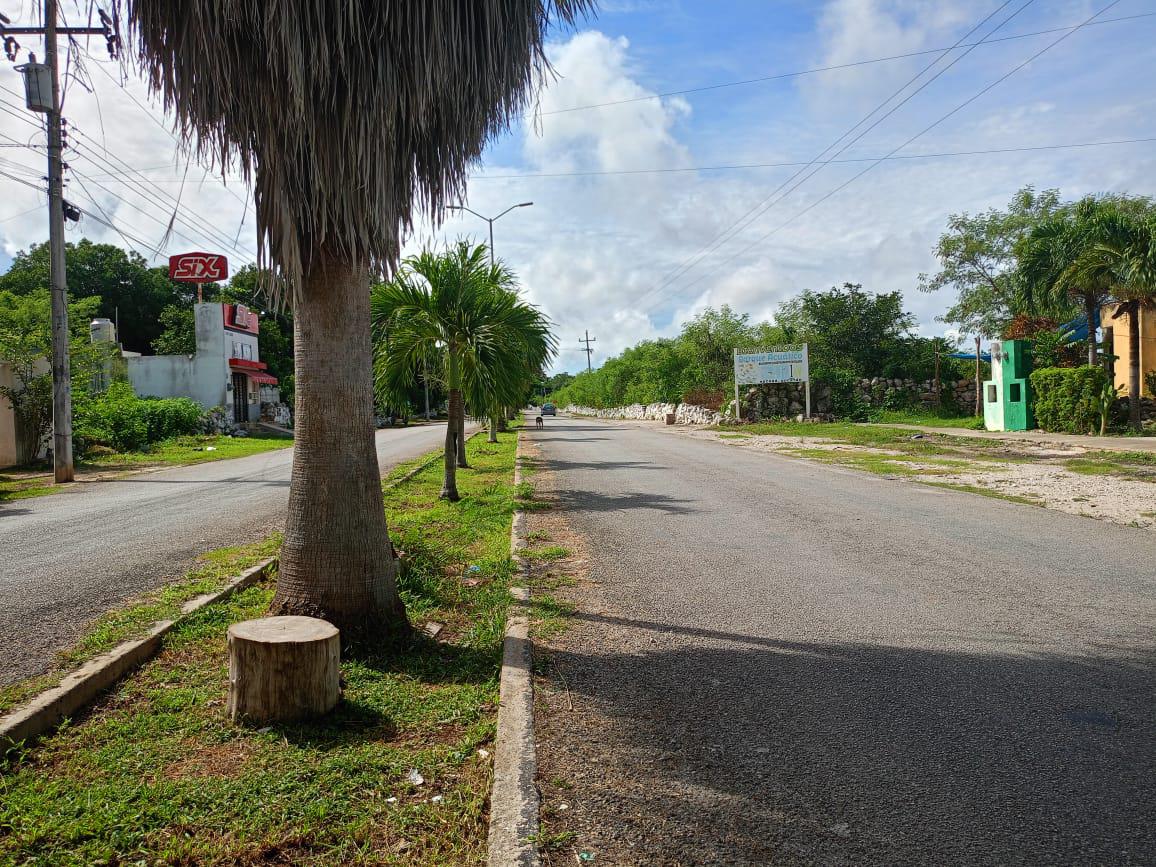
(450, 463)
(1090, 306)
(461, 433)
(337, 562)
(494, 427)
(1134, 366)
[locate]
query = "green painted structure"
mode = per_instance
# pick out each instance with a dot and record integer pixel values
(1007, 396)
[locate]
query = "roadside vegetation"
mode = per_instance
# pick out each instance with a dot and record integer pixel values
(398, 774)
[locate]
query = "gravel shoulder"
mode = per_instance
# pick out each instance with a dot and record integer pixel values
(752, 660)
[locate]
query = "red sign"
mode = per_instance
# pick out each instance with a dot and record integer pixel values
(198, 267)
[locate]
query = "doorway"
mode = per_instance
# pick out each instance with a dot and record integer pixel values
(240, 398)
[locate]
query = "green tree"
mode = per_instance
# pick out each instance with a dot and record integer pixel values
(1059, 260)
(977, 258)
(455, 313)
(379, 112)
(128, 291)
(1123, 239)
(26, 345)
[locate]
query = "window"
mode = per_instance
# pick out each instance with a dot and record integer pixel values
(1014, 395)
(992, 393)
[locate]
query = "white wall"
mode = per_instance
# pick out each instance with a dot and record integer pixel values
(201, 378)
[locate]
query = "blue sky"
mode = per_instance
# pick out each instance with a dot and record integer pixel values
(595, 251)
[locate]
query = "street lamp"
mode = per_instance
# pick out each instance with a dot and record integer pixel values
(490, 220)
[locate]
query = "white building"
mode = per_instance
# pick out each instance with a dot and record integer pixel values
(225, 371)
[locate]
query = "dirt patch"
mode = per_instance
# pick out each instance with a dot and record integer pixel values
(212, 761)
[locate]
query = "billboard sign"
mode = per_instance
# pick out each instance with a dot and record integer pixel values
(781, 364)
(198, 267)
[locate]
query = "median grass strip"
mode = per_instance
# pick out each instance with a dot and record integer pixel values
(156, 773)
(134, 619)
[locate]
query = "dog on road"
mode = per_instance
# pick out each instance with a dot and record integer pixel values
(538, 422)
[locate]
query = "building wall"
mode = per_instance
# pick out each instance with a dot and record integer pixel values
(203, 378)
(1120, 348)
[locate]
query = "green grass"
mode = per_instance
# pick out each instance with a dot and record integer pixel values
(21, 486)
(158, 774)
(927, 418)
(986, 492)
(181, 451)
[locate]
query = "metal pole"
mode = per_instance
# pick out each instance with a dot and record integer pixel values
(491, 222)
(978, 380)
(61, 374)
(738, 412)
(425, 382)
(807, 391)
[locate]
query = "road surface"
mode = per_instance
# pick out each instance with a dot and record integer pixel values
(69, 557)
(781, 662)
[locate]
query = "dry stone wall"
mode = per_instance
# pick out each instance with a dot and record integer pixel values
(684, 413)
(788, 399)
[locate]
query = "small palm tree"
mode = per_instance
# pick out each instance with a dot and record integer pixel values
(1124, 248)
(456, 312)
(347, 117)
(1052, 264)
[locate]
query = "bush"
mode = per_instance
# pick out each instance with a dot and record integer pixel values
(119, 420)
(1067, 399)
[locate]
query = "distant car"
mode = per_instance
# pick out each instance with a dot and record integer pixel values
(549, 409)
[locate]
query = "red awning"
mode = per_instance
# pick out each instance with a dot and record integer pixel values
(263, 378)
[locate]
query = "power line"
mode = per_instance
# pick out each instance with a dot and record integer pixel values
(834, 67)
(740, 166)
(766, 203)
(986, 89)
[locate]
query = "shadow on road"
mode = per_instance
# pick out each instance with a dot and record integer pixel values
(767, 751)
(556, 464)
(591, 501)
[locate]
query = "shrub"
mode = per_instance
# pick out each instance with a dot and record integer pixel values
(1067, 399)
(119, 420)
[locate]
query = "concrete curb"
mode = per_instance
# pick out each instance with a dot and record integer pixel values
(44, 712)
(514, 801)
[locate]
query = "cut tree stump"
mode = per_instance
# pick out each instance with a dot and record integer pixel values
(283, 668)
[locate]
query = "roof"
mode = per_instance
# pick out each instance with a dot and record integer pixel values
(263, 378)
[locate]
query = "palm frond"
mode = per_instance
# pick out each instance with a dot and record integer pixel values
(347, 117)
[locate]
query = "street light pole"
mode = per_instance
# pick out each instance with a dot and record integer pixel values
(490, 220)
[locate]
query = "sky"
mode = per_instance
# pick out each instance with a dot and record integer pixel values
(640, 217)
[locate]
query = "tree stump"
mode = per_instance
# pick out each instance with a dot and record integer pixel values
(283, 668)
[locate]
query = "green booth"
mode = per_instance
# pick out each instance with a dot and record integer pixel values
(1007, 396)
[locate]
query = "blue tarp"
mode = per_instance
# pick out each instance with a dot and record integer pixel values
(970, 356)
(1077, 330)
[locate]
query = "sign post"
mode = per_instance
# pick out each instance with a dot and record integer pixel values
(777, 364)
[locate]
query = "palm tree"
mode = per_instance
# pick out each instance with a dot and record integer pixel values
(456, 312)
(346, 117)
(1124, 247)
(1051, 264)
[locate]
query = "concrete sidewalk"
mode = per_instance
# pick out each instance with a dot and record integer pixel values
(1110, 444)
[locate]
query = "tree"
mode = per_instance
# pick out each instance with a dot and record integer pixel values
(456, 313)
(347, 118)
(128, 291)
(977, 259)
(1123, 250)
(26, 345)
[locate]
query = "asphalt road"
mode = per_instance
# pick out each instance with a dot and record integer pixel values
(68, 557)
(780, 662)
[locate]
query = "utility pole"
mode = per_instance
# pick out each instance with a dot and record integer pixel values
(588, 340)
(49, 103)
(425, 382)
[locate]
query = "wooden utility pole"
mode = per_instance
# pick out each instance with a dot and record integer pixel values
(49, 103)
(588, 340)
(61, 370)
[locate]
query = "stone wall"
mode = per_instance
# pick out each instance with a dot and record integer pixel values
(788, 399)
(684, 413)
